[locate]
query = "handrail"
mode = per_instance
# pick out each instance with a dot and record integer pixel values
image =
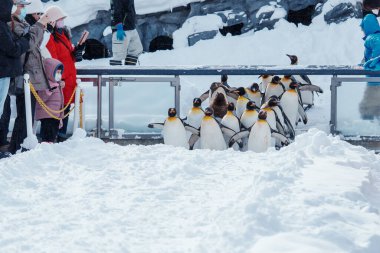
(230, 70)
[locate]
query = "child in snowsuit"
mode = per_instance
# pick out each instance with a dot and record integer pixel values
(370, 105)
(53, 98)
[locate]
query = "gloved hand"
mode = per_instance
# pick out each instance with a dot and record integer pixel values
(78, 52)
(120, 34)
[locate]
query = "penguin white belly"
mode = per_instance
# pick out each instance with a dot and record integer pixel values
(260, 137)
(175, 134)
(231, 122)
(273, 90)
(307, 97)
(249, 118)
(211, 135)
(271, 118)
(286, 83)
(194, 119)
(255, 97)
(289, 103)
(241, 105)
(279, 115)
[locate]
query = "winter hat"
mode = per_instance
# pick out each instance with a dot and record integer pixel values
(35, 7)
(370, 25)
(21, 2)
(51, 66)
(54, 13)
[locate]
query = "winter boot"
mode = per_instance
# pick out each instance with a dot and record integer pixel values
(116, 63)
(369, 107)
(5, 155)
(131, 60)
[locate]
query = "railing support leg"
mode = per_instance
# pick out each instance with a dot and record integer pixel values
(99, 108)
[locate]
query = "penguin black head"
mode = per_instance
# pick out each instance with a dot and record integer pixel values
(241, 91)
(224, 78)
(293, 59)
(255, 87)
(231, 107)
(273, 101)
(172, 112)
(263, 76)
(276, 80)
(293, 85)
(197, 102)
(251, 105)
(262, 115)
(209, 111)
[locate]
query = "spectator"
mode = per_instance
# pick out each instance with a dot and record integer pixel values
(62, 49)
(4, 125)
(126, 43)
(31, 61)
(370, 105)
(371, 7)
(53, 98)
(11, 49)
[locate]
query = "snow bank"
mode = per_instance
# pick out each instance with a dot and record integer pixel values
(87, 196)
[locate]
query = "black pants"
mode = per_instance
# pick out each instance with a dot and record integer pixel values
(4, 121)
(62, 131)
(19, 130)
(49, 130)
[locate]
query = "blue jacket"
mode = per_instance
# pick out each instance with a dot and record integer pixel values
(371, 29)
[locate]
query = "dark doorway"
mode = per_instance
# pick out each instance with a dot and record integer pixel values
(303, 16)
(161, 43)
(233, 29)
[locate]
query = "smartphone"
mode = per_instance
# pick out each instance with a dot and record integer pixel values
(84, 37)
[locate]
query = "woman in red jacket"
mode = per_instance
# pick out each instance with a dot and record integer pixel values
(62, 49)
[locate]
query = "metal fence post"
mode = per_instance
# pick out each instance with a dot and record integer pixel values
(177, 94)
(99, 108)
(334, 104)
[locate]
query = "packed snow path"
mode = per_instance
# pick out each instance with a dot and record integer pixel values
(319, 194)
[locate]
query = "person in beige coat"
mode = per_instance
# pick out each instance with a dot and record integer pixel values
(33, 65)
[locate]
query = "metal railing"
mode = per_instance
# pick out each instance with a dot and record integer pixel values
(113, 75)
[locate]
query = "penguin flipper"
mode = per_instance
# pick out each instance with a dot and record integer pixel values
(288, 124)
(311, 87)
(238, 136)
(204, 96)
(227, 131)
(306, 79)
(156, 125)
(191, 129)
(302, 113)
(282, 138)
(193, 139)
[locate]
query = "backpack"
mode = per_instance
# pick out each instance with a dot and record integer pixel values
(94, 49)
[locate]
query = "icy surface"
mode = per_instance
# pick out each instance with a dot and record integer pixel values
(319, 194)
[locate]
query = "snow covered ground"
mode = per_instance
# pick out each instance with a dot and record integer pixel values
(317, 195)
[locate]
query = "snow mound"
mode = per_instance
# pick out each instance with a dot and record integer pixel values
(89, 196)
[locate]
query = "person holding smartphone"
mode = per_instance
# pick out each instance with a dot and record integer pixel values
(126, 43)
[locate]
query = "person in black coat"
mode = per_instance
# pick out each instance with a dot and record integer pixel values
(11, 49)
(126, 43)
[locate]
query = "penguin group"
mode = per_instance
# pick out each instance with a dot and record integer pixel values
(251, 118)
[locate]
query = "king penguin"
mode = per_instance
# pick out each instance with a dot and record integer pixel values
(196, 114)
(275, 87)
(173, 130)
(307, 94)
(254, 93)
(286, 80)
(292, 105)
(250, 115)
(241, 102)
(232, 122)
(210, 133)
(194, 118)
(260, 135)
